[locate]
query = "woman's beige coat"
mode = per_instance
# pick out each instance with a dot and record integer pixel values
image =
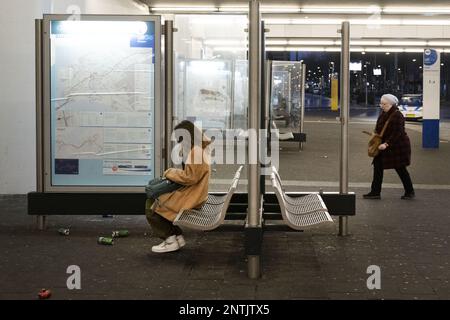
(195, 181)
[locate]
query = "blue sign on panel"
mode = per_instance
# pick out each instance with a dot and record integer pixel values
(144, 41)
(429, 57)
(67, 166)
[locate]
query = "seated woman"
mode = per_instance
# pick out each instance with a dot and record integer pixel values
(195, 180)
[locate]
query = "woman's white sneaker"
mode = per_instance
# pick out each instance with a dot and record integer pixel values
(181, 241)
(168, 245)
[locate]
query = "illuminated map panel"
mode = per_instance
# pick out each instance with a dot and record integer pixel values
(102, 103)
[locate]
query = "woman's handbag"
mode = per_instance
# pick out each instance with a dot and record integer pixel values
(376, 139)
(374, 142)
(159, 186)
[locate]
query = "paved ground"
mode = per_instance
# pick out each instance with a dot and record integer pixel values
(408, 240)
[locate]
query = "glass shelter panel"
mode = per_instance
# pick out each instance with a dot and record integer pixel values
(207, 94)
(211, 77)
(286, 94)
(102, 102)
(240, 96)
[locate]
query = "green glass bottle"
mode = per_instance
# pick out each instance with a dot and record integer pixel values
(105, 241)
(120, 234)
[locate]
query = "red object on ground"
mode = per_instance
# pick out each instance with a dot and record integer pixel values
(44, 294)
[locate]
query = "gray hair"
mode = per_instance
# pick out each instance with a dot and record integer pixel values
(390, 98)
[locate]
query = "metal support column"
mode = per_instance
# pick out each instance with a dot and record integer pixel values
(302, 101)
(168, 90)
(41, 220)
(267, 106)
(233, 98)
(262, 113)
(268, 95)
(345, 105)
(254, 207)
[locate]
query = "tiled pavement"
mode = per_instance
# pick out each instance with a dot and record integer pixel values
(408, 240)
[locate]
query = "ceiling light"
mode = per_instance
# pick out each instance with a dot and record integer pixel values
(367, 10)
(438, 43)
(318, 49)
(333, 49)
(403, 43)
(381, 49)
(365, 42)
(276, 42)
(356, 49)
(279, 9)
(233, 9)
(428, 22)
(314, 49)
(302, 21)
(413, 50)
(311, 9)
(311, 42)
(416, 10)
(337, 21)
(185, 9)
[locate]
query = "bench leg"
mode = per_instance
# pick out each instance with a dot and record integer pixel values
(343, 226)
(254, 267)
(41, 222)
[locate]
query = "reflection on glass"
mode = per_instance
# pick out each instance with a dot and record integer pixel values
(286, 93)
(208, 93)
(240, 95)
(211, 74)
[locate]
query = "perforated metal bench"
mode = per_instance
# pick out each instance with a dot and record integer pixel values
(212, 213)
(290, 136)
(299, 212)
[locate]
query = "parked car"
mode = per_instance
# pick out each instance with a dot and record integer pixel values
(411, 106)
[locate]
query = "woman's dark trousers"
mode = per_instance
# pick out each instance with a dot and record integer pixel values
(378, 177)
(161, 227)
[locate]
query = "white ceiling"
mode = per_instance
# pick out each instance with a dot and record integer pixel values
(304, 2)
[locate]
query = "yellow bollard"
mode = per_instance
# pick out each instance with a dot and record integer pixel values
(334, 93)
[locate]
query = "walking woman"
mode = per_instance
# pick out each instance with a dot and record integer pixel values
(395, 149)
(195, 180)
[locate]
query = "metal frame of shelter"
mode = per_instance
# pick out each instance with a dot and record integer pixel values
(256, 206)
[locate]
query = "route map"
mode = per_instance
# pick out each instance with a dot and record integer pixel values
(102, 102)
